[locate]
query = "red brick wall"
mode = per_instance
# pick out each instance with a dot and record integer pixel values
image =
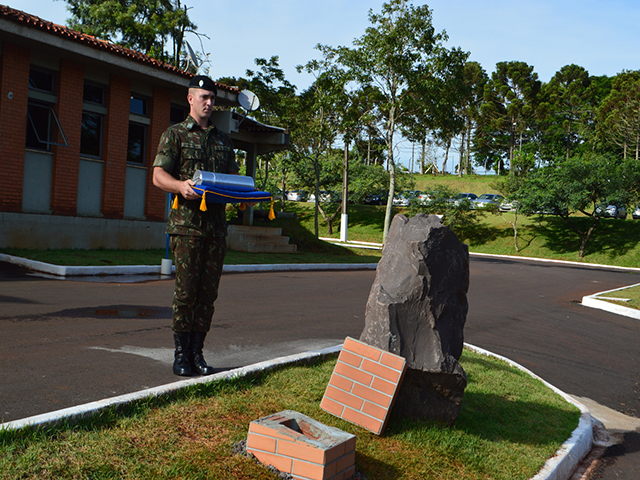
(160, 110)
(116, 132)
(64, 188)
(14, 78)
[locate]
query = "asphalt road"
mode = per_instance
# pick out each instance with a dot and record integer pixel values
(65, 343)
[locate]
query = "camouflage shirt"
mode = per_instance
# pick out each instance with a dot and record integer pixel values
(184, 148)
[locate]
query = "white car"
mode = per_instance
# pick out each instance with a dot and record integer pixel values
(296, 196)
(425, 198)
(636, 213)
(611, 210)
(487, 199)
(508, 206)
(404, 198)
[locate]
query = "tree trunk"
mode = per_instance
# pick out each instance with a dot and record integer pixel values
(446, 157)
(515, 230)
(462, 152)
(392, 175)
(316, 166)
(330, 219)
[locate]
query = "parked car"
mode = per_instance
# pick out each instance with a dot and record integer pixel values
(277, 195)
(405, 198)
(464, 196)
(296, 195)
(376, 199)
(508, 206)
(424, 198)
(636, 213)
(324, 196)
(487, 199)
(611, 210)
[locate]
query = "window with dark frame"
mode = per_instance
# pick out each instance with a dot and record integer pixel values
(178, 114)
(136, 143)
(93, 94)
(41, 80)
(91, 135)
(138, 105)
(43, 125)
(92, 122)
(38, 126)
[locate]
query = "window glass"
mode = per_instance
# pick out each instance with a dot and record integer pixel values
(136, 144)
(41, 80)
(93, 94)
(138, 105)
(91, 135)
(178, 114)
(38, 126)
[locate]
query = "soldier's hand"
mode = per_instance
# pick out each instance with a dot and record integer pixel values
(187, 192)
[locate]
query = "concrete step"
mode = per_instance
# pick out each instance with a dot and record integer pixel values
(252, 238)
(244, 238)
(254, 230)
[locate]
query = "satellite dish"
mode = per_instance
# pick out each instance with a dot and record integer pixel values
(248, 100)
(191, 56)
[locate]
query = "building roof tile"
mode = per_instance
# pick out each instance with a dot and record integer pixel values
(32, 21)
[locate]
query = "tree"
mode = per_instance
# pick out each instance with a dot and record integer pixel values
(513, 189)
(579, 185)
(148, 26)
(279, 105)
(619, 114)
(508, 113)
(457, 213)
(569, 100)
(475, 78)
(399, 56)
(322, 101)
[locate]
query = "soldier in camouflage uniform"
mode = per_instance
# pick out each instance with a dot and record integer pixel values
(197, 238)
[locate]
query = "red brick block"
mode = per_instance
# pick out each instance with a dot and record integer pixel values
(364, 394)
(302, 447)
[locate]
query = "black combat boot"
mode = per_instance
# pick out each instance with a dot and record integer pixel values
(198, 365)
(181, 364)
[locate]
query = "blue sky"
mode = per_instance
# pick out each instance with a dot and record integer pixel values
(600, 35)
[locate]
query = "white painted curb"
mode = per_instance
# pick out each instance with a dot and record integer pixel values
(594, 302)
(567, 458)
(63, 271)
(558, 467)
(92, 408)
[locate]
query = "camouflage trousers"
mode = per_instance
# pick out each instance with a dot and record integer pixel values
(198, 263)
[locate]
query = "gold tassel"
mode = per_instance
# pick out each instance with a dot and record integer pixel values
(272, 214)
(242, 207)
(203, 203)
(174, 205)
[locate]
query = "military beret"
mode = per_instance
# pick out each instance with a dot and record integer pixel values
(204, 82)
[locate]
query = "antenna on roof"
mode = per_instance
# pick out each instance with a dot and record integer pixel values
(249, 101)
(191, 57)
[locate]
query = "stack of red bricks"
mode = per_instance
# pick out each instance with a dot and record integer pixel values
(298, 445)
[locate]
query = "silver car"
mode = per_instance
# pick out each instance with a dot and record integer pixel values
(611, 210)
(486, 199)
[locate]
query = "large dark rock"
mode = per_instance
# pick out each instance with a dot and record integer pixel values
(417, 309)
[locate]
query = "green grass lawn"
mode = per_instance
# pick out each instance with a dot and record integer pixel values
(509, 425)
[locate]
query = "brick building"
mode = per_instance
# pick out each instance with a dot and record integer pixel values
(80, 120)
